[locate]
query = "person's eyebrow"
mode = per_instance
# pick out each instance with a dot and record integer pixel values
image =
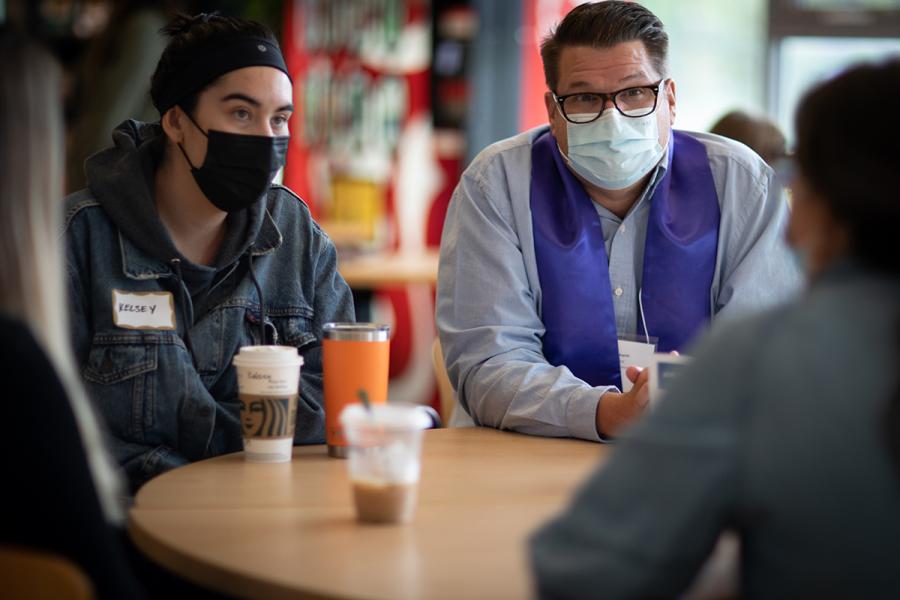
(243, 97)
(633, 76)
(580, 85)
(585, 85)
(254, 102)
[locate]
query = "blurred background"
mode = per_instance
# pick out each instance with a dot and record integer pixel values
(395, 97)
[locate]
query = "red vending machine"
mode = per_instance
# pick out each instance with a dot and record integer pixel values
(364, 156)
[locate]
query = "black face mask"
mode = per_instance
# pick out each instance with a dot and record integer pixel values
(238, 169)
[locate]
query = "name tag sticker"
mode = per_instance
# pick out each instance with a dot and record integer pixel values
(634, 353)
(143, 310)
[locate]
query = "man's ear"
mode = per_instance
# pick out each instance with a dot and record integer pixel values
(172, 123)
(670, 98)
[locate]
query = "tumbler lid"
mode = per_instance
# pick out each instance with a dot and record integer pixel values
(357, 332)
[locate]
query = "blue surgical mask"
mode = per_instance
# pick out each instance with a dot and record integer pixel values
(614, 151)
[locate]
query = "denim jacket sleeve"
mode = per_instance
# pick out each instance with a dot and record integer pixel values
(488, 311)
(333, 302)
(79, 311)
(140, 462)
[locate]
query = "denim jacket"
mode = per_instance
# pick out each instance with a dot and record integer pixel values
(163, 406)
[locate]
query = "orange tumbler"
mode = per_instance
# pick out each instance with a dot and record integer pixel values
(355, 362)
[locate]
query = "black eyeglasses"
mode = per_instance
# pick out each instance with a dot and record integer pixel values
(633, 102)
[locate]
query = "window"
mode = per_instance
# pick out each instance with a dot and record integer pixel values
(811, 40)
(717, 57)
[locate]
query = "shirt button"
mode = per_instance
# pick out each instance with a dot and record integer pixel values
(618, 291)
(622, 228)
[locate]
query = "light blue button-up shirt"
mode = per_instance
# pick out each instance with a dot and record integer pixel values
(489, 295)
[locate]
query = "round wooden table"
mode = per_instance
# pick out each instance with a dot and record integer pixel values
(389, 269)
(289, 530)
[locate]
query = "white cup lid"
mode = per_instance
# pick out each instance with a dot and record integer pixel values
(267, 356)
(390, 416)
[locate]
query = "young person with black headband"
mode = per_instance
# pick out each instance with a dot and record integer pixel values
(181, 250)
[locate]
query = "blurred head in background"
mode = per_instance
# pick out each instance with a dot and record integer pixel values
(759, 133)
(846, 204)
(846, 201)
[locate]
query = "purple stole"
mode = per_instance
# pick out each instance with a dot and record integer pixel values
(679, 260)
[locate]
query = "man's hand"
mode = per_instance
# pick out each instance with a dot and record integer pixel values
(616, 410)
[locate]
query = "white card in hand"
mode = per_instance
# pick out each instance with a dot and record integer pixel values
(631, 353)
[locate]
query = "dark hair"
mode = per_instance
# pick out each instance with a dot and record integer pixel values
(189, 36)
(759, 133)
(852, 165)
(603, 25)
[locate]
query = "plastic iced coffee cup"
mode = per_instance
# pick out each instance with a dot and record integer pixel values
(385, 459)
(355, 361)
(268, 384)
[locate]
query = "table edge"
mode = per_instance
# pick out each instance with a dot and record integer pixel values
(208, 575)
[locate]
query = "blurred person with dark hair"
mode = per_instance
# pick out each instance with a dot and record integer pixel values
(62, 493)
(786, 427)
(758, 133)
(182, 250)
(113, 79)
(569, 240)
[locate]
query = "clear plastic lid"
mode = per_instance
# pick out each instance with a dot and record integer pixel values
(267, 356)
(387, 416)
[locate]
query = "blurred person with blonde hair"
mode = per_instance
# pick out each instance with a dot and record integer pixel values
(62, 491)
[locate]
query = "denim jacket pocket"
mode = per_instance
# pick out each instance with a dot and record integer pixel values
(294, 327)
(291, 326)
(123, 366)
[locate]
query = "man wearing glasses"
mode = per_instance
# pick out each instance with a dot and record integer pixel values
(563, 241)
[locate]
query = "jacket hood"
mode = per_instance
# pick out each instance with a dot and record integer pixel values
(121, 178)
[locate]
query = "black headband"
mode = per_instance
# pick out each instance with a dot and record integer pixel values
(215, 61)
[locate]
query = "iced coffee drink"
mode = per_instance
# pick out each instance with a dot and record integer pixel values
(385, 457)
(384, 502)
